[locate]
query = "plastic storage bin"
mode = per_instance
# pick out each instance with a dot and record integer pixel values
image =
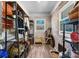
(3, 53)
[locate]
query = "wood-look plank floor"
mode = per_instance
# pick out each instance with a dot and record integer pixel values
(39, 51)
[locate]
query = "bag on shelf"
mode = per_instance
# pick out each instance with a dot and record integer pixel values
(74, 13)
(7, 24)
(75, 36)
(9, 9)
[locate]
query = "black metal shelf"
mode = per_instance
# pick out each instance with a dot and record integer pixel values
(16, 37)
(65, 22)
(10, 17)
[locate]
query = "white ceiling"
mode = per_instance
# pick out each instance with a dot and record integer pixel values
(42, 7)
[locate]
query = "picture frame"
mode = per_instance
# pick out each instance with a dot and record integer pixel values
(40, 24)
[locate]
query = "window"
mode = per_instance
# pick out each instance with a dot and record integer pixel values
(64, 17)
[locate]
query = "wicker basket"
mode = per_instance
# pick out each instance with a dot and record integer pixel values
(54, 54)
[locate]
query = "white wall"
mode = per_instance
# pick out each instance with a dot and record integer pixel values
(35, 17)
(55, 25)
(55, 28)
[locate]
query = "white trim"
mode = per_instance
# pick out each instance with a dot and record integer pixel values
(55, 7)
(68, 39)
(66, 18)
(26, 11)
(66, 5)
(21, 28)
